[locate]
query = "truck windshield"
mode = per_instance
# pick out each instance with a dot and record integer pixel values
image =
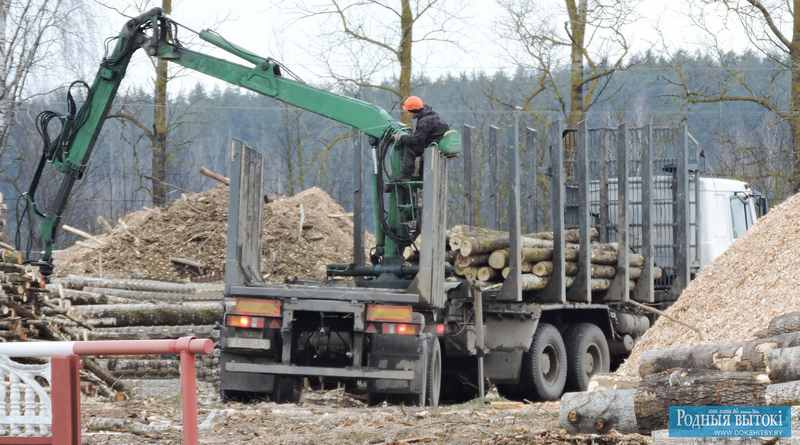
(741, 217)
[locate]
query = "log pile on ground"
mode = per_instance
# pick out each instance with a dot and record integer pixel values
(143, 309)
(186, 240)
(483, 254)
(736, 296)
(762, 372)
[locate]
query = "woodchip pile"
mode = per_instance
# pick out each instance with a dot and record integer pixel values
(186, 240)
(738, 294)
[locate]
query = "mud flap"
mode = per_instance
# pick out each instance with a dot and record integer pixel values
(398, 352)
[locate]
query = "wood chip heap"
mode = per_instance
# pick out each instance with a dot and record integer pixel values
(186, 240)
(738, 294)
(484, 255)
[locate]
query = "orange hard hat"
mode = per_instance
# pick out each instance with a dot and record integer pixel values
(413, 103)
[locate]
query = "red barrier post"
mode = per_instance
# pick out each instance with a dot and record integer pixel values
(66, 399)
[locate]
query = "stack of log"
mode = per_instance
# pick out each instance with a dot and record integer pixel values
(144, 309)
(483, 254)
(760, 372)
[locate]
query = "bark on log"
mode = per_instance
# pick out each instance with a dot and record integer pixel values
(215, 175)
(172, 297)
(485, 244)
(153, 367)
(782, 364)
(474, 260)
(90, 364)
(603, 271)
(545, 268)
(783, 394)
(187, 262)
(783, 324)
(532, 282)
(657, 392)
(500, 258)
(524, 268)
(736, 356)
(79, 283)
(147, 332)
(152, 314)
(598, 412)
(607, 257)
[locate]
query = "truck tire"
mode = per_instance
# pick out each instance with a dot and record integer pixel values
(587, 355)
(544, 366)
(433, 381)
(287, 389)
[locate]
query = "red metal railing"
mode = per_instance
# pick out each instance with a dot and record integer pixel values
(65, 393)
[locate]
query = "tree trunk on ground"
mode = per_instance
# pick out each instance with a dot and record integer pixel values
(80, 283)
(782, 364)
(152, 314)
(783, 324)
(696, 388)
(783, 394)
(598, 412)
(737, 356)
(148, 332)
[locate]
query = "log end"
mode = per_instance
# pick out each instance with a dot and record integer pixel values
(574, 416)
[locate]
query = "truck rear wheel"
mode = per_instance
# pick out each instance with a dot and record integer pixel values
(587, 351)
(544, 366)
(434, 372)
(287, 389)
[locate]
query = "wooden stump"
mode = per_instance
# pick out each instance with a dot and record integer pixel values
(598, 412)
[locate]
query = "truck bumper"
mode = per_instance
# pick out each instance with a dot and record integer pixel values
(350, 372)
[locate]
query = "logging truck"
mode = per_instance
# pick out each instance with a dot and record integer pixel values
(413, 333)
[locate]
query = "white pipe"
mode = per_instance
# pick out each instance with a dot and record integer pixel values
(37, 349)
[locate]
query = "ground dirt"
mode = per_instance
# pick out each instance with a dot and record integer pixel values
(333, 417)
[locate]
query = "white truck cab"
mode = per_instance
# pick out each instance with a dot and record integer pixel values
(726, 209)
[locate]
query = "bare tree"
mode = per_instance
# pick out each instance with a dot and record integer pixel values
(588, 33)
(362, 43)
(772, 28)
(37, 38)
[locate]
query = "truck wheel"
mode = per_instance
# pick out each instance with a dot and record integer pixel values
(544, 366)
(434, 371)
(287, 389)
(587, 351)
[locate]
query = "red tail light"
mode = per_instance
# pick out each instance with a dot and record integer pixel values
(400, 329)
(242, 321)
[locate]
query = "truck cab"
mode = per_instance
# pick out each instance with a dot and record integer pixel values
(727, 208)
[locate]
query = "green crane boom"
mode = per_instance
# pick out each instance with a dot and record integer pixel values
(73, 149)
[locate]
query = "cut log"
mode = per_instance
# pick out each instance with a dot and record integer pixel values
(147, 332)
(524, 268)
(610, 258)
(532, 282)
(782, 364)
(171, 297)
(737, 356)
(657, 392)
(215, 175)
(474, 260)
(486, 273)
(783, 394)
(187, 262)
(79, 232)
(152, 314)
(500, 258)
(106, 226)
(598, 412)
(783, 324)
(485, 244)
(603, 271)
(79, 283)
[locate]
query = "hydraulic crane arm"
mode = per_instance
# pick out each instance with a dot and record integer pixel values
(71, 152)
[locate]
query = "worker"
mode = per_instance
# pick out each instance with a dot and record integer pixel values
(430, 128)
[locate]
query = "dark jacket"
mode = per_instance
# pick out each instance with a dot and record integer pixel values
(431, 126)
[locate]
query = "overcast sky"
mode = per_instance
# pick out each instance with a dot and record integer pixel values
(259, 26)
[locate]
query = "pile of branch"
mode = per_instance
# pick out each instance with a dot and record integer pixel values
(760, 372)
(483, 254)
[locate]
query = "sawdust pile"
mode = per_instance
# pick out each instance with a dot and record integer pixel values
(194, 227)
(756, 279)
